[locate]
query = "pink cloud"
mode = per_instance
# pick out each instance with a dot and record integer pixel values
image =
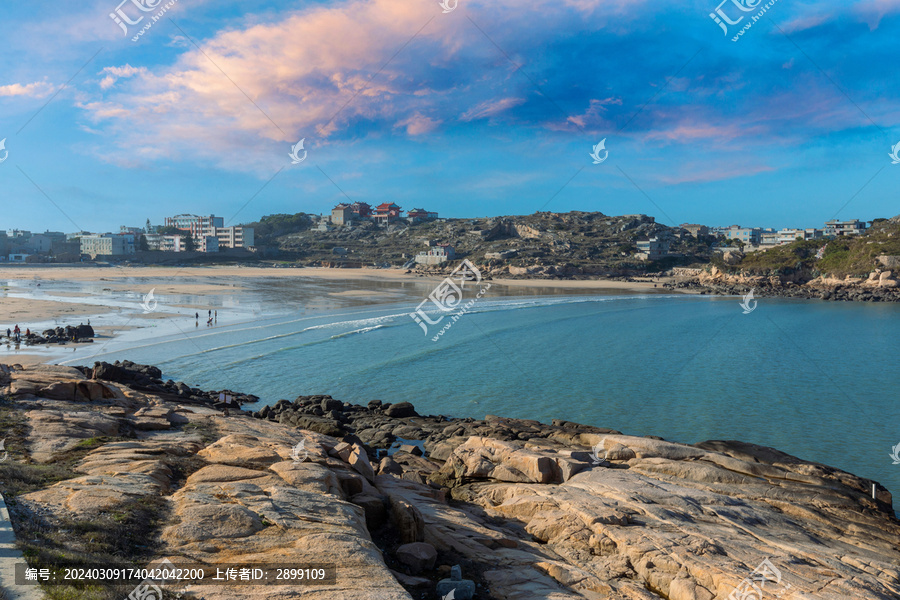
(708, 173)
(38, 89)
(490, 108)
(419, 125)
(872, 11)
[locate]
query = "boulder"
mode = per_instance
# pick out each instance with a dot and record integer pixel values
(401, 410)
(407, 520)
(418, 556)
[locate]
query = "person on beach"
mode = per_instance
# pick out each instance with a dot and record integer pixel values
(209, 314)
(17, 332)
(8, 332)
(217, 315)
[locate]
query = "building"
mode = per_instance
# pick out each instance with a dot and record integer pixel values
(341, 214)
(361, 211)
(387, 213)
(695, 230)
(652, 249)
(235, 237)
(436, 255)
(420, 215)
(768, 238)
(103, 245)
(198, 226)
(853, 227)
(751, 236)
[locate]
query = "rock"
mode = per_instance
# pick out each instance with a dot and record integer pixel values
(388, 466)
(407, 520)
(401, 410)
(482, 457)
(410, 581)
(418, 556)
(359, 460)
(410, 449)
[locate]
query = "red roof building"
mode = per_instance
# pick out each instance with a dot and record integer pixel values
(387, 213)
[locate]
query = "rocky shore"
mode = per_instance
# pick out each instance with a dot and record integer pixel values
(110, 464)
(879, 286)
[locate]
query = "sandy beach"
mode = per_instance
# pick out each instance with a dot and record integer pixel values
(39, 297)
(232, 276)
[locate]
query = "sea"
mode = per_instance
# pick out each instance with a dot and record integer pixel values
(815, 379)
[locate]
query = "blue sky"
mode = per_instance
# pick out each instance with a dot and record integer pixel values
(491, 108)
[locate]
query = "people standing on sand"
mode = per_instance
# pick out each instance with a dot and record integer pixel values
(27, 332)
(8, 332)
(217, 315)
(209, 314)
(17, 332)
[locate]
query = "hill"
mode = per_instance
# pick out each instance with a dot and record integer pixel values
(569, 244)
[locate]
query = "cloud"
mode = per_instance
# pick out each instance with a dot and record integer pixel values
(115, 73)
(38, 89)
(873, 11)
(490, 108)
(418, 124)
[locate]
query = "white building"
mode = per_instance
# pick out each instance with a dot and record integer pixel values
(105, 245)
(436, 255)
(235, 237)
(652, 249)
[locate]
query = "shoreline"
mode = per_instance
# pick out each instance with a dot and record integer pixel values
(397, 498)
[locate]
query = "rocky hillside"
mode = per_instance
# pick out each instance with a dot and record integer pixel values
(111, 465)
(573, 243)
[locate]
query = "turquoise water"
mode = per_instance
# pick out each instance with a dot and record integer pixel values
(814, 379)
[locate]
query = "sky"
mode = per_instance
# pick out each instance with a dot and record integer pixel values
(467, 108)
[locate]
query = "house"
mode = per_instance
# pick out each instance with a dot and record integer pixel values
(853, 227)
(751, 236)
(341, 214)
(436, 255)
(420, 215)
(695, 230)
(387, 213)
(652, 249)
(104, 245)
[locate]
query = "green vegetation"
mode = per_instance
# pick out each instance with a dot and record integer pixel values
(270, 227)
(783, 259)
(854, 256)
